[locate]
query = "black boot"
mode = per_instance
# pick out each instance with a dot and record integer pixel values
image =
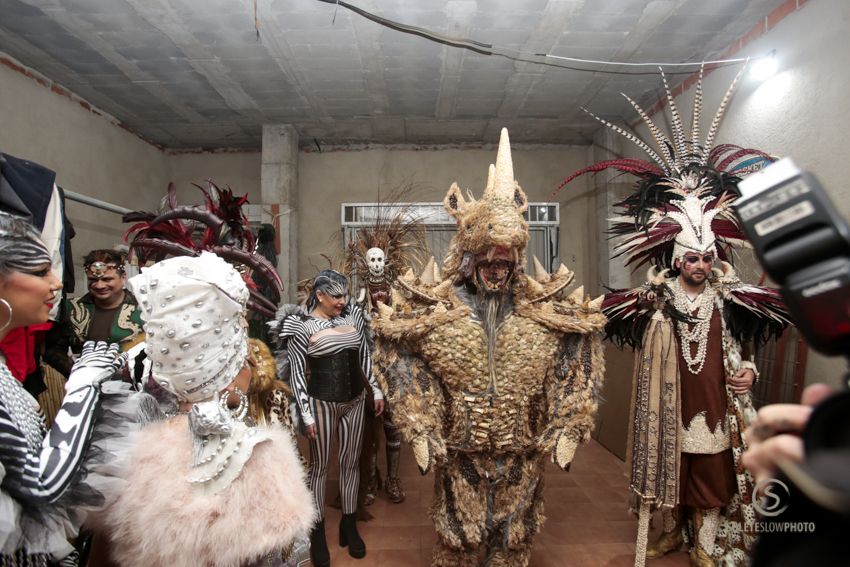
(348, 536)
(319, 553)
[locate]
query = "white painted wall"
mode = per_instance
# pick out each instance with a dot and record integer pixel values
(801, 112)
(90, 155)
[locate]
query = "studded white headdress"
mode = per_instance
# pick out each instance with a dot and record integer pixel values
(193, 311)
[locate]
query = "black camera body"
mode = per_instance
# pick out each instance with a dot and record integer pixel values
(804, 246)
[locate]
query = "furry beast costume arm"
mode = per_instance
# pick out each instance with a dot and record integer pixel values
(366, 345)
(572, 391)
(416, 397)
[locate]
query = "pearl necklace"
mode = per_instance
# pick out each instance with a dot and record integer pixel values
(704, 304)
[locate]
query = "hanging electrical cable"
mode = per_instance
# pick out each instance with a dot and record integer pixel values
(537, 58)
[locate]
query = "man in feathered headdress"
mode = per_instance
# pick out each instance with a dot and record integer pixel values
(489, 372)
(693, 323)
(377, 256)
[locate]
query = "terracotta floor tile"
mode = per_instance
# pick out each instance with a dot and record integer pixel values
(567, 510)
(565, 494)
(606, 494)
(571, 556)
(588, 523)
(399, 558)
(399, 537)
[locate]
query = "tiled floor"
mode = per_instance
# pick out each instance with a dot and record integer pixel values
(588, 524)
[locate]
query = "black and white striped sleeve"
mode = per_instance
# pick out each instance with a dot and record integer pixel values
(298, 338)
(365, 351)
(41, 476)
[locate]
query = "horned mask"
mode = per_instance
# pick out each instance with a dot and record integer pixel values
(492, 227)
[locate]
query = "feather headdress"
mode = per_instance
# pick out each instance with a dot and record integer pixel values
(396, 231)
(218, 226)
(685, 193)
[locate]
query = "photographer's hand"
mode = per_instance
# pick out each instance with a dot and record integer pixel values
(775, 433)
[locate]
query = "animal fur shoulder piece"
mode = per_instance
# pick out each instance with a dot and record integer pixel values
(415, 316)
(162, 519)
(580, 315)
(752, 313)
(408, 320)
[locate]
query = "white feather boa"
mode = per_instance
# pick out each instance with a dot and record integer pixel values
(163, 520)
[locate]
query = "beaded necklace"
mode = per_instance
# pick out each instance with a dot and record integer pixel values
(22, 409)
(704, 304)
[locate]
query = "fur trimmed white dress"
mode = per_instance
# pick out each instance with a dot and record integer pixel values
(163, 519)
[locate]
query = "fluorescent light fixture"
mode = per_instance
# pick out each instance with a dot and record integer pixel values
(764, 67)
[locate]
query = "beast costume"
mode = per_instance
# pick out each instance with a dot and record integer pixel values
(686, 437)
(489, 371)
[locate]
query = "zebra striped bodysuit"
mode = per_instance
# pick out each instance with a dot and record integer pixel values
(314, 337)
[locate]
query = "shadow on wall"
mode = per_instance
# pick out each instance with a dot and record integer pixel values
(612, 422)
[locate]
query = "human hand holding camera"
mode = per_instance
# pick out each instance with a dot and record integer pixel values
(775, 435)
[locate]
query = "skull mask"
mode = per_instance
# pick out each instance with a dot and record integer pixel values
(375, 261)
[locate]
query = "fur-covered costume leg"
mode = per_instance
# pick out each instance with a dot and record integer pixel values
(392, 438)
(510, 557)
(487, 508)
(445, 556)
(671, 538)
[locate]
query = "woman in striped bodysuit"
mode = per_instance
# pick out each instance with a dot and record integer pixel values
(329, 342)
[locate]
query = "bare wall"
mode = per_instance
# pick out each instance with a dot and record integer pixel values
(90, 155)
(238, 170)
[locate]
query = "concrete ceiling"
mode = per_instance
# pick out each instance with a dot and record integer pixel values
(195, 74)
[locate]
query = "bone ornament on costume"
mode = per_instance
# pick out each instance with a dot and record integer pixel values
(683, 204)
(489, 372)
(375, 259)
(382, 250)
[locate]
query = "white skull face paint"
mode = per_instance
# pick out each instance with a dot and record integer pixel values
(375, 260)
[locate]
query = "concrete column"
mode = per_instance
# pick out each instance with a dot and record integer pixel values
(610, 188)
(279, 186)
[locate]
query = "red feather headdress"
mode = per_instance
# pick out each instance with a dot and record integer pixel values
(218, 226)
(685, 194)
